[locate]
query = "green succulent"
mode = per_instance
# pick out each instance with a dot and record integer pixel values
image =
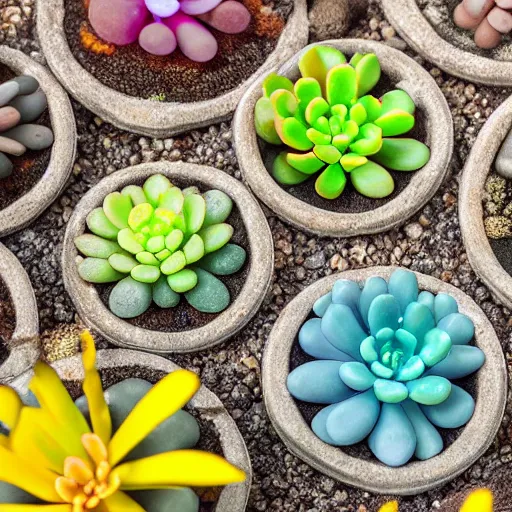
(331, 124)
(160, 241)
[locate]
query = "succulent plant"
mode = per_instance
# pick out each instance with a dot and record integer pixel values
(21, 103)
(160, 241)
(331, 124)
(51, 455)
(386, 357)
(161, 25)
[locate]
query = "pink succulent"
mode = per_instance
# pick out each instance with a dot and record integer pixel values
(162, 25)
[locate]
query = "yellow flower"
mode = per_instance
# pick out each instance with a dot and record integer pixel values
(51, 453)
(480, 500)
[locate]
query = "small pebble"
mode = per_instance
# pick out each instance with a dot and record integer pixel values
(8, 91)
(11, 147)
(30, 106)
(9, 117)
(5, 166)
(32, 136)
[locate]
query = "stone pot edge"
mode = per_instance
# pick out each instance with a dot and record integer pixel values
(24, 347)
(471, 213)
(224, 326)
(47, 189)
(144, 116)
(417, 31)
(326, 223)
(233, 498)
(378, 478)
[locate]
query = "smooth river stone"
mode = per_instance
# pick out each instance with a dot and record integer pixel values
(428, 440)
(436, 346)
(318, 382)
(393, 440)
(444, 305)
(403, 285)
(357, 376)
(157, 39)
(384, 313)
(163, 8)
(427, 299)
(8, 91)
(454, 412)
(315, 344)
(167, 500)
(32, 136)
(163, 296)
(318, 425)
(352, 420)
(224, 262)
(130, 298)
(418, 320)
(6, 166)
(503, 163)
(11, 147)
(218, 207)
(463, 360)
(210, 294)
(348, 293)
(390, 391)
(30, 106)
(230, 17)
(28, 84)
(320, 306)
(373, 287)
(431, 390)
(10, 494)
(342, 329)
(459, 327)
(9, 117)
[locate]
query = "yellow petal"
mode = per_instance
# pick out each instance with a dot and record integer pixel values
(33, 479)
(4, 440)
(480, 500)
(120, 502)
(35, 508)
(390, 506)
(168, 396)
(93, 389)
(10, 406)
(180, 468)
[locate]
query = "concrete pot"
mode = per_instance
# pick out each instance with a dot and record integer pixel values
(407, 75)
(261, 260)
(154, 119)
(24, 348)
(234, 497)
(28, 207)
(414, 477)
(411, 24)
(471, 213)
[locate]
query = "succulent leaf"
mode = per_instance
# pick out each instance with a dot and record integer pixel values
(306, 90)
(128, 241)
(294, 134)
(182, 281)
(341, 142)
(284, 103)
(397, 100)
(274, 82)
(147, 258)
(402, 154)
(96, 247)
(218, 207)
(145, 273)
(316, 108)
(194, 210)
(194, 249)
(135, 193)
(317, 137)
(358, 114)
(369, 140)
(341, 85)
(356, 58)
(329, 154)
(331, 183)
(98, 271)
(117, 208)
(216, 236)
(372, 180)
(264, 121)
(395, 122)
(368, 73)
(284, 173)
(372, 106)
(122, 263)
(307, 163)
(336, 125)
(172, 200)
(154, 187)
(351, 161)
(318, 60)
(99, 224)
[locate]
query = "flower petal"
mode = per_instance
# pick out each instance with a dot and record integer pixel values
(180, 468)
(35, 508)
(120, 502)
(480, 500)
(10, 406)
(168, 396)
(390, 506)
(93, 389)
(384, 312)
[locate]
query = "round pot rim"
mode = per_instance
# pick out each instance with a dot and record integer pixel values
(24, 347)
(28, 207)
(416, 30)
(424, 183)
(471, 212)
(146, 117)
(261, 260)
(233, 498)
(415, 477)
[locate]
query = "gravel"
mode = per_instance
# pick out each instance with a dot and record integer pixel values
(430, 243)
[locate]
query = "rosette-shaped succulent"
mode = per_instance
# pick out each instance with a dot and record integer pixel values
(161, 25)
(21, 103)
(159, 242)
(130, 453)
(331, 124)
(386, 357)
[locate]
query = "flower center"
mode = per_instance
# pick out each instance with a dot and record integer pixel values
(86, 482)
(391, 356)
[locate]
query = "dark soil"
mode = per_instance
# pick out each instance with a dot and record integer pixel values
(350, 200)
(134, 72)
(28, 168)
(7, 321)
(502, 249)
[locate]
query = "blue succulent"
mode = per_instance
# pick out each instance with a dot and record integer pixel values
(386, 355)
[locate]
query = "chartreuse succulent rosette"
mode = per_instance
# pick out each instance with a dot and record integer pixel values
(54, 460)
(386, 357)
(331, 125)
(160, 242)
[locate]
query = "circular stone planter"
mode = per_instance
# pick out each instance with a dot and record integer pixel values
(411, 24)
(471, 213)
(407, 75)
(28, 207)
(155, 119)
(243, 307)
(23, 346)
(415, 477)
(233, 498)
